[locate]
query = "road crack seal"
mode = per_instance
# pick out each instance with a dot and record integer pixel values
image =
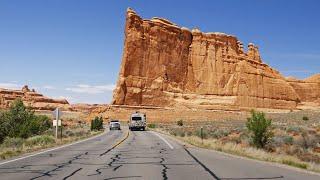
(73, 173)
(58, 167)
(164, 170)
(202, 165)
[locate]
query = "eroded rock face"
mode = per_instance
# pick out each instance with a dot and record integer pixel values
(31, 98)
(165, 65)
(308, 89)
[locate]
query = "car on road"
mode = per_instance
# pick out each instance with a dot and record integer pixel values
(137, 121)
(114, 125)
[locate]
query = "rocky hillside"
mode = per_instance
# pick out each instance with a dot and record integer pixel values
(31, 98)
(170, 66)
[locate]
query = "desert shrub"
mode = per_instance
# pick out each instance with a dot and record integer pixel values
(307, 141)
(15, 143)
(189, 133)
(69, 133)
(294, 129)
(97, 124)
(152, 126)
(182, 134)
(178, 132)
(21, 122)
(174, 133)
(260, 128)
(81, 133)
(204, 133)
(244, 137)
(280, 140)
(180, 122)
(305, 118)
(39, 140)
(219, 133)
(288, 140)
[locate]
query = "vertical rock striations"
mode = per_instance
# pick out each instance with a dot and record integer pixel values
(165, 65)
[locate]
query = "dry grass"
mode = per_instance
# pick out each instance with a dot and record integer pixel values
(249, 152)
(17, 146)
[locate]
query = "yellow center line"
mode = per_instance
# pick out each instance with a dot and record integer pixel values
(121, 141)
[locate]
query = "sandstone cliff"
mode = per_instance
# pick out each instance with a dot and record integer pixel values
(166, 65)
(31, 98)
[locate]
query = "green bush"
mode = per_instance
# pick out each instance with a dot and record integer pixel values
(21, 122)
(305, 118)
(151, 126)
(97, 124)
(180, 122)
(40, 140)
(259, 128)
(15, 143)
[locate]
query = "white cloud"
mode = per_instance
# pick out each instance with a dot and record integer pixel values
(89, 89)
(48, 87)
(68, 98)
(10, 86)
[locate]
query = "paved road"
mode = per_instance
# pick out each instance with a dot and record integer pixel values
(143, 155)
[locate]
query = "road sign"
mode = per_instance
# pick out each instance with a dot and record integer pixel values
(55, 123)
(57, 113)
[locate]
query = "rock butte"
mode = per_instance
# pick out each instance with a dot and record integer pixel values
(31, 98)
(164, 65)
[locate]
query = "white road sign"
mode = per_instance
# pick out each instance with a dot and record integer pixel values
(55, 123)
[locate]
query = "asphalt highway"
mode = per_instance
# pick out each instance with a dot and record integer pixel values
(140, 155)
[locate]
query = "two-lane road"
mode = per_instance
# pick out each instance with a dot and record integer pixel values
(143, 155)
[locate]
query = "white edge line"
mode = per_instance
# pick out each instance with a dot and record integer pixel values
(163, 139)
(273, 164)
(60, 147)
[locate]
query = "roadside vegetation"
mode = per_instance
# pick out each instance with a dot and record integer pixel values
(23, 131)
(295, 143)
(97, 124)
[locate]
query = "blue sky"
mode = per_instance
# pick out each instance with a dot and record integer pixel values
(73, 48)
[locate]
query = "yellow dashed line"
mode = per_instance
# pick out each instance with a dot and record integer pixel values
(122, 140)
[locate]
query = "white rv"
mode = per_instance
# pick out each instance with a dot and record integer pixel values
(137, 121)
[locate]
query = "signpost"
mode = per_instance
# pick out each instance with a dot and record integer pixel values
(57, 121)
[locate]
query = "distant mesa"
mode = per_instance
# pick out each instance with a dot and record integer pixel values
(165, 65)
(31, 98)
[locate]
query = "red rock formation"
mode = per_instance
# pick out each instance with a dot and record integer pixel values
(308, 89)
(31, 98)
(165, 65)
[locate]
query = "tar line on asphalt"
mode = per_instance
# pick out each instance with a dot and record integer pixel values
(49, 150)
(193, 157)
(163, 139)
(201, 164)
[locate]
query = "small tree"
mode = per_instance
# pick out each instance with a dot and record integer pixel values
(97, 124)
(180, 122)
(21, 122)
(260, 129)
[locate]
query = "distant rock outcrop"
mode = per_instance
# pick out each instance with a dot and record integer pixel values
(31, 98)
(165, 65)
